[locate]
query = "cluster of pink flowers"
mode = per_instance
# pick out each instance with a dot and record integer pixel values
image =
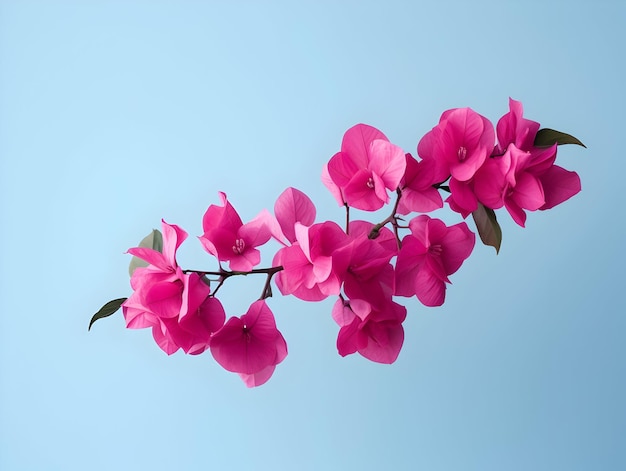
(364, 265)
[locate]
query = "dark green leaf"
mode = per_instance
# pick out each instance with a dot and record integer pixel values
(547, 137)
(488, 227)
(154, 241)
(105, 311)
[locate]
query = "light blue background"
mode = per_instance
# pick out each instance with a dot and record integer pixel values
(116, 114)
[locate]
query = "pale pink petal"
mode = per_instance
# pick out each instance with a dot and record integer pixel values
(356, 143)
(258, 231)
(388, 161)
(153, 257)
(164, 339)
(293, 206)
(136, 314)
(173, 236)
(342, 314)
(430, 290)
(332, 186)
(165, 299)
(257, 379)
(246, 260)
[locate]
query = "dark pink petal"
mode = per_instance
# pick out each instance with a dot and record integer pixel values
(517, 213)
(220, 242)
(195, 291)
(559, 185)
(293, 206)
(165, 299)
(512, 128)
(410, 257)
(458, 244)
(490, 182)
(376, 290)
(223, 216)
(429, 288)
(361, 191)
(466, 140)
(341, 168)
(541, 159)
(428, 149)
(347, 338)
(528, 192)
(383, 341)
(221, 225)
(463, 195)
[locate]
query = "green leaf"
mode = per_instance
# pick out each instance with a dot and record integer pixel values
(488, 228)
(154, 241)
(108, 309)
(547, 137)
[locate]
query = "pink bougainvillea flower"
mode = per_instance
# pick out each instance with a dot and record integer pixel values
(152, 285)
(508, 180)
(558, 184)
(375, 332)
(250, 345)
(418, 193)
(366, 167)
(431, 253)
(459, 144)
(175, 305)
(229, 239)
(315, 265)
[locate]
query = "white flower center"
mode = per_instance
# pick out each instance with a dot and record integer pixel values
(239, 246)
(461, 153)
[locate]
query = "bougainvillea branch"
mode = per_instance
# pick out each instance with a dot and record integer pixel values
(365, 265)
